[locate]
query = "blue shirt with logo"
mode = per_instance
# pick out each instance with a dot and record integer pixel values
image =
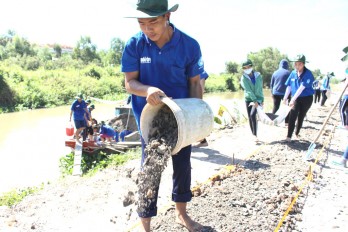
(168, 68)
(79, 109)
(306, 79)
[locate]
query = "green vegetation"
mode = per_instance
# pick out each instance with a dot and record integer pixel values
(17, 195)
(92, 163)
(34, 76)
(39, 76)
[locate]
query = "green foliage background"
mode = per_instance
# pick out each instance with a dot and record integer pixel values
(36, 76)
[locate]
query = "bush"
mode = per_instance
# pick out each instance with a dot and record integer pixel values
(91, 163)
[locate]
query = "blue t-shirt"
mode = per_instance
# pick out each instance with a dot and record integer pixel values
(306, 79)
(168, 68)
(326, 83)
(107, 130)
(79, 109)
(204, 75)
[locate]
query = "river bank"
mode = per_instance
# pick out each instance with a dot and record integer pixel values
(254, 197)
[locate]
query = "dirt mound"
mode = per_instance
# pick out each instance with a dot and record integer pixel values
(123, 121)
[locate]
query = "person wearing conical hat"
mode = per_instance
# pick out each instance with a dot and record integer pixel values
(163, 61)
(300, 86)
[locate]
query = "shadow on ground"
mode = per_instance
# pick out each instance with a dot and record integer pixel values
(213, 156)
(255, 165)
(299, 145)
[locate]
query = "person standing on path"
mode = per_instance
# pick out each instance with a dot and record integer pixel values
(300, 85)
(78, 109)
(162, 61)
(344, 113)
(316, 87)
(278, 86)
(252, 83)
(325, 87)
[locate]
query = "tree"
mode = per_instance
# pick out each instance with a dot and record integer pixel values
(266, 61)
(58, 50)
(20, 46)
(117, 47)
(232, 67)
(317, 73)
(85, 50)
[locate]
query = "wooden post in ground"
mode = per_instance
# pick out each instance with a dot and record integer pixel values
(77, 159)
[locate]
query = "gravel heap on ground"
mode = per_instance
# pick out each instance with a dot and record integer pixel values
(255, 196)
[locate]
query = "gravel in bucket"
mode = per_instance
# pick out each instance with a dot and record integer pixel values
(162, 138)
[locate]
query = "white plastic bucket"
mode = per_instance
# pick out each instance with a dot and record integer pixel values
(194, 118)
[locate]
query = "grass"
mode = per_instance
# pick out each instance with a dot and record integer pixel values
(91, 164)
(17, 195)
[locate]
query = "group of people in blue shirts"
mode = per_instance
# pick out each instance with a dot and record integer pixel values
(88, 127)
(293, 88)
(161, 61)
(321, 88)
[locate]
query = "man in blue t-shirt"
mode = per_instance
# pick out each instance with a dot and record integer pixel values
(300, 85)
(78, 109)
(163, 61)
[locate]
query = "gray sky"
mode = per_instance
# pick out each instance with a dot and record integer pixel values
(227, 30)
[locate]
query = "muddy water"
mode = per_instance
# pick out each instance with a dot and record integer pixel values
(32, 142)
(162, 138)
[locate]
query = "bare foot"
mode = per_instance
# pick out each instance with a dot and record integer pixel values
(187, 222)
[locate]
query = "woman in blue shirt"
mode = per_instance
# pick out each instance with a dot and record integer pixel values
(300, 85)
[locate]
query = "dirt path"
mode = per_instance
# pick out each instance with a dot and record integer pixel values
(253, 197)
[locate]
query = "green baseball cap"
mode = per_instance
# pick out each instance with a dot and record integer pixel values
(92, 106)
(88, 101)
(151, 9)
(300, 58)
(79, 96)
(248, 62)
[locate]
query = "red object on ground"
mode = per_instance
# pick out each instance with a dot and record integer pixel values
(69, 129)
(87, 146)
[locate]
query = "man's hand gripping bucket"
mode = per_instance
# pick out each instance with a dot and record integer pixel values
(194, 117)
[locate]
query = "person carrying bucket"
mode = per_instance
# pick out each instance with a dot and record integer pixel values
(163, 61)
(252, 83)
(300, 85)
(78, 109)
